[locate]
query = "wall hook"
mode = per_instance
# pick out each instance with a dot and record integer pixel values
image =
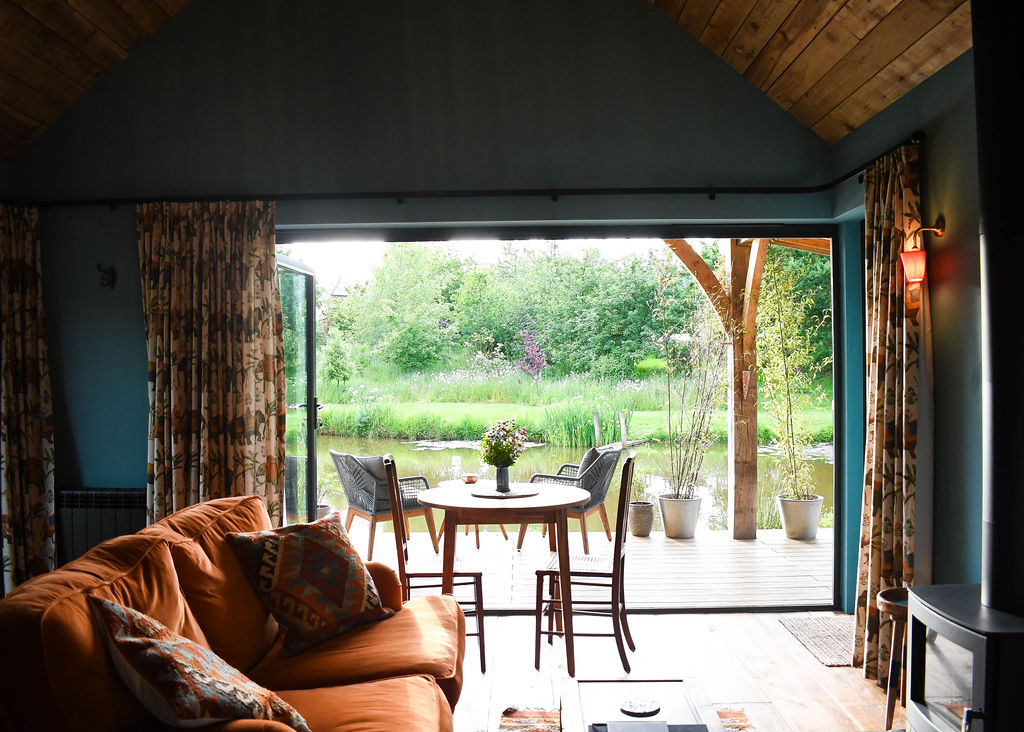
(108, 276)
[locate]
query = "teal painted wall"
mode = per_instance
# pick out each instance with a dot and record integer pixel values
(848, 297)
(97, 344)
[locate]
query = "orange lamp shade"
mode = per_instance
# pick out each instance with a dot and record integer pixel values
(913, 265)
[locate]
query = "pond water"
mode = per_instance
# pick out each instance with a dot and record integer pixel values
(441, 461)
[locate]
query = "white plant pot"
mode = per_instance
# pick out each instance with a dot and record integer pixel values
(679, 516)
(800, 516)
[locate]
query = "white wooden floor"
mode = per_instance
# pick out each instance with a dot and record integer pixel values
(709, 571)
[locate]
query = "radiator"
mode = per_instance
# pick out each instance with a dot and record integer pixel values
(87, 516)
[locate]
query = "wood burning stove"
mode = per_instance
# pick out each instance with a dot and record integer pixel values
(964, 662)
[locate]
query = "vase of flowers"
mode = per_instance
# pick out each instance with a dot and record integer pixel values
(500, 445)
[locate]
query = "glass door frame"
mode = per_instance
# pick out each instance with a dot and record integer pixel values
(304, 270)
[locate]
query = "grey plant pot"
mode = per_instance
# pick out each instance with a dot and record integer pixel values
(679, 516)
(799, 516)
(641, 518)
(322, 510)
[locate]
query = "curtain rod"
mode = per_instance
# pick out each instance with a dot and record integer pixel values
(553, 193)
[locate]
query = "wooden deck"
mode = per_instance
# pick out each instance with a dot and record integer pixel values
(711, 571)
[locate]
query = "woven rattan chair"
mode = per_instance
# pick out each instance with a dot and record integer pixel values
(368, 497)
(591, 571)
(430, 579)
(595, 478)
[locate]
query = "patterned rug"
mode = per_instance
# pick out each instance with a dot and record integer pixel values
(828, 637)
(530, 719)
(734, 719)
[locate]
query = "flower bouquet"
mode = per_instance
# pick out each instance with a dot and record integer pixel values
(500, 445)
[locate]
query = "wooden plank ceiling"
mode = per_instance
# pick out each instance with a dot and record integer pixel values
(53, 51)
(832, 64)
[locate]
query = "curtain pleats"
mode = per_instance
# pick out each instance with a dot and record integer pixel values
(896, 327)
(216, 355)
(26, 405)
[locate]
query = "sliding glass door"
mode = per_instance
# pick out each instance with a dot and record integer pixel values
(298, 307)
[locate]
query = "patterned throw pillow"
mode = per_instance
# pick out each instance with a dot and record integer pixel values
(311, 579)
(180, 682)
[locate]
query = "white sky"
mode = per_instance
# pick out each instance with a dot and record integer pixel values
(357, 259)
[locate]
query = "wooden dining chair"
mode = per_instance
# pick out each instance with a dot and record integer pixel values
(430, 579)
(366, 490)
(594, 475)
(590, 571)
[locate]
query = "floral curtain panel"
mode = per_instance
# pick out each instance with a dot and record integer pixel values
(216, 354)
(897, 344)
(26, 405)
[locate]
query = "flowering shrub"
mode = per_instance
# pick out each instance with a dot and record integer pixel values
(502, 443)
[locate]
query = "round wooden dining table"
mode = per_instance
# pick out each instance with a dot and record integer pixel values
(549, 506)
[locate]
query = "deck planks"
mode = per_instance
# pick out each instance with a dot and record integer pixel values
(711, 571)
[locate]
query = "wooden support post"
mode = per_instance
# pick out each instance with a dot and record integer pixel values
(597, 430)
(745, 262)
(622, 427)
(736, 305)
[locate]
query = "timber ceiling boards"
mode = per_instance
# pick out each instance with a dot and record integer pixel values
(53, 51)
(832, 64)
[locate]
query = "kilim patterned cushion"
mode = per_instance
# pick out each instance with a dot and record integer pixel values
(180, 682)
(311, 578)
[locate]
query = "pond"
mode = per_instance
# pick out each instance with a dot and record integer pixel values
(441, 461)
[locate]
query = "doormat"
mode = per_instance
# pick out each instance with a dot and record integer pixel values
(828, 637)
(530, 719)
(734, 719)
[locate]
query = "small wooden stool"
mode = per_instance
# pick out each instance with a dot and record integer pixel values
(894, 602)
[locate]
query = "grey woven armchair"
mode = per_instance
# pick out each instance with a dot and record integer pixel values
(367, 494)
(595, 478)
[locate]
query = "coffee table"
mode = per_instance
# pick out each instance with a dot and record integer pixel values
(588, 705)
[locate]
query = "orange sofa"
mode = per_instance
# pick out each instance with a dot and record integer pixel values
(401, 673)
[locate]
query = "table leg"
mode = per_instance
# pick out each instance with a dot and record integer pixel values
(561, 524)
(451, 531)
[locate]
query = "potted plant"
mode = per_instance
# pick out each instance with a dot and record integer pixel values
(787, 367)
(500, 445)
(641, 510)
(695, 387)
(325, 487)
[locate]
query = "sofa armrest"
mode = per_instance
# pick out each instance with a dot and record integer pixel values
(233, 725)
(389, 587)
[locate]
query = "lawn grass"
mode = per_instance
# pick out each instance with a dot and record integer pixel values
(440, 419)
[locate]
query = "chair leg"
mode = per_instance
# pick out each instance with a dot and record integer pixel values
(893, 683)
(537, 609)
(428, 515)
(478, 589)
(583, 531)
(603, 513)
(476, 527)
(373, 533)
(408, 530)
(622, 614)
(349, 515)
(557, 594)
(522, 535)
(617, 627)
(551, 611)
(503, 532)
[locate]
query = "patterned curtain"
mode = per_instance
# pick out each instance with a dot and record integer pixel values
(216, 353)
(26, 405)
(896, 350)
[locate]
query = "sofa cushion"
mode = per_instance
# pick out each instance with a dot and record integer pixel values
(389, 705)
(63, 678)
(311, 578)
(179, 681)
(237, 624)
(427, 636)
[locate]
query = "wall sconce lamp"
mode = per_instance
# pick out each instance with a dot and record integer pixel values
(913, 257)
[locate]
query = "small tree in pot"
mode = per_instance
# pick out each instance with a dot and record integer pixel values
(695, 388)
(787, 368)
(641, 510)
